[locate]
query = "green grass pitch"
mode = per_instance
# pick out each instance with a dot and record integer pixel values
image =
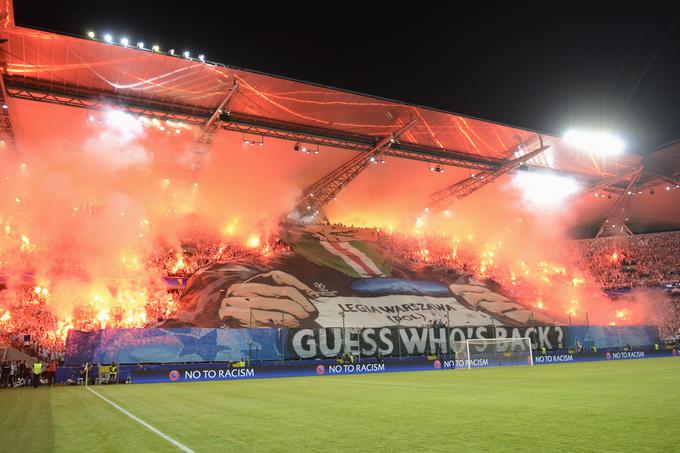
(631, 405)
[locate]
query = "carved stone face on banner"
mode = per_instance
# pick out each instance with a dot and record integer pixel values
(338, 276)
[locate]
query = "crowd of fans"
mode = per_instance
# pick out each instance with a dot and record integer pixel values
(14, 373)
(20, 373)
(468, 256)
(631, 261)
(28, 323)
(667, 317)
(643, 260)
(199, 249)
(31, 326)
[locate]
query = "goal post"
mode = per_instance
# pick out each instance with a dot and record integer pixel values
(498, 352)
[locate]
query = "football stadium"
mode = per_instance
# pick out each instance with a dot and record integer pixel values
(200, 257)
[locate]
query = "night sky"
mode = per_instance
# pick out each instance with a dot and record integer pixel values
(545, 66)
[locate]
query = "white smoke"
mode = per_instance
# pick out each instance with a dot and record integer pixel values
(544, 191)
(116, 143)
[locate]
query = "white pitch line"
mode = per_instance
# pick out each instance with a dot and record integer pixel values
(145, 424)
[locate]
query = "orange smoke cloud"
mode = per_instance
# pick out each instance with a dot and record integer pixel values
(89, 197)
(86, 199)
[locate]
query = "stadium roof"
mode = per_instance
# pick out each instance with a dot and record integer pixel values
(662, 163)
(88, 73)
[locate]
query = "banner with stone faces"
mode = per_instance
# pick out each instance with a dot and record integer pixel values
(337, 277)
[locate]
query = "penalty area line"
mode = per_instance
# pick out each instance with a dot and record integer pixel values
(177, 444)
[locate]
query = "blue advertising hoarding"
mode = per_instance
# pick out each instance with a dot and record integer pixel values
(223, 372)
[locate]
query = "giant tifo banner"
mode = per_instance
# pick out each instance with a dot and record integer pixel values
(168, 345)
(336, 276)
(336, 285)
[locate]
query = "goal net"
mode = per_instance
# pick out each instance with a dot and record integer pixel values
(459, 351)
(498, 352)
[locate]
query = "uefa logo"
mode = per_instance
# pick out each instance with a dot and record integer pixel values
(609, 356)
(320, 370)
(530, 360)
(437, 365)
(174, 375)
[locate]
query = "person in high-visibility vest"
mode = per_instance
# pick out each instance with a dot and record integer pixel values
(113, 377)
(37, 371)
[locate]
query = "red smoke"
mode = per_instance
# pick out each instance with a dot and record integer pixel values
(89, 194)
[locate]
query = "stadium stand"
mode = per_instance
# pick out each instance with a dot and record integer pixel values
(631, 261)
(621, 262)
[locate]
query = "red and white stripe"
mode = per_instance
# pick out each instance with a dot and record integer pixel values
(353, 257)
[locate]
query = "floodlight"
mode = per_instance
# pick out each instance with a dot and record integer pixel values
(108, 38)
(90, 34)
(124, 41)
(601, 142)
